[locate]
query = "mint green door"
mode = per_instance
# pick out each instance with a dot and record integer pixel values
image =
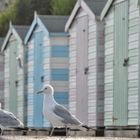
(120, 97)
(13, 77)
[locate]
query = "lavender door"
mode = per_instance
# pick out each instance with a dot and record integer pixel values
(82, 70)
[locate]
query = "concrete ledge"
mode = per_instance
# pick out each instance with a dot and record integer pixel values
(57, 132)
(93, 133)
(81, 133)
(28, 132)
(122, 133)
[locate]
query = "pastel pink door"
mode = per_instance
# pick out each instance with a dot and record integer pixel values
(82, 70)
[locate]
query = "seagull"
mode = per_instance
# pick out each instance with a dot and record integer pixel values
(8, 120)
(57, 114)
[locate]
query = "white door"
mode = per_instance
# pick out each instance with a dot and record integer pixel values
(82, 69)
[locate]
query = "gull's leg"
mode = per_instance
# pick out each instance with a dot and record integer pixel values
(66, 131)
(51, 131)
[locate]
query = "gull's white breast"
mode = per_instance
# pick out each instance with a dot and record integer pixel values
(55, 120)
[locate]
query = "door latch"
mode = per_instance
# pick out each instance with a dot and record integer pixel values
(86, 70)
(16, 83)
(42, 79)
(125, 63)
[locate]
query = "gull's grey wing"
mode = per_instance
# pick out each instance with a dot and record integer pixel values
(67, 118)
(7, 119)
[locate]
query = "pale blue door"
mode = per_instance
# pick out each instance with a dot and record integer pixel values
(38, 79)
(13, 83)
(120, 101)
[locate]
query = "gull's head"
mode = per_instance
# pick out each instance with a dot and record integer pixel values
(47, 89)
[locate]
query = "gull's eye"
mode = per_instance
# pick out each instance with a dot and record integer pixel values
(46, 88)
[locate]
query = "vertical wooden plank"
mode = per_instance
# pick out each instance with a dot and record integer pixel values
(6, 77)
(100, 74)
(13, 77)
(109, 59)
(2, 79)
(38, 77)
(72, 68)
(120, 100)
(30, 82)
(92, 76)
(82, 67)
(133, 53)
(139, 67)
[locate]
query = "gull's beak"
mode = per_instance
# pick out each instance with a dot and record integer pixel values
(39, 92)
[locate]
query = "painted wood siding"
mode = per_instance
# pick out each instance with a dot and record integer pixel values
(13, 79)
(2, 79)
(73, 79)
(55, 70)
(96, 69)
(38, 77)
(18, 106)
(92, 76)
(72, 68)
(109, 58)
(30, 85)
(20, 88)
(30, 76)
(133, 70)
(120, 70)
(59, 67)
(133, 67)
(6, 78)
(46, 67)
(100, 74)
(34, 99)
(96, 73)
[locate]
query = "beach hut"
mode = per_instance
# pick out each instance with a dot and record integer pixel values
(1, 75)
(122, 50)
(14, 88)
(47, 63)
(86, 60)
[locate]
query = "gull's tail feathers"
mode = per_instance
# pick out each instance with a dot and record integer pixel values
(21, 125)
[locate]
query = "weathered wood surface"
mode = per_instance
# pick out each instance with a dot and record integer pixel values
(60, 138)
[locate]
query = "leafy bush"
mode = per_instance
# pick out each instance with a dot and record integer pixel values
(21, 12)
(62, 7)
(5, 17)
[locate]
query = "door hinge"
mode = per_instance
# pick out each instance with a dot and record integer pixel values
(86, 70)
(114, 118)
(16, 83)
